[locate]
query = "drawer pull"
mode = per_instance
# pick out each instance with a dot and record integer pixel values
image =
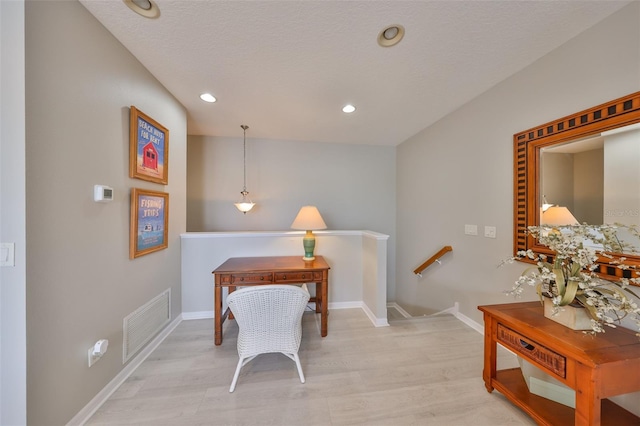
(261, 278)
(303, 276)
(527, 346)
(284, 277)
(241, 278)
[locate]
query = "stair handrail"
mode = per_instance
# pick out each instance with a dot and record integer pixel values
(435, 258)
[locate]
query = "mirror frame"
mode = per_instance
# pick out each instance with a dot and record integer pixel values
(526, 148)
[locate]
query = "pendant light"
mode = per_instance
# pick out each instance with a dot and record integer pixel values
(245, 204)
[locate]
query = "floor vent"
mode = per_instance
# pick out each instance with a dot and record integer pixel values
(144, 323)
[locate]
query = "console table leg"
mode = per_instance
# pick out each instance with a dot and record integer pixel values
(490, 353)
(588, 405)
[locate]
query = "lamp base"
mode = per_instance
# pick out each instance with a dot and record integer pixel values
(309, 259)
(309, 243)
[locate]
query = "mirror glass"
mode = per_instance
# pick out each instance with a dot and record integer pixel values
(597, 180)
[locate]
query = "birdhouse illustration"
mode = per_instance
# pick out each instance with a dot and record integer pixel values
(150, 157)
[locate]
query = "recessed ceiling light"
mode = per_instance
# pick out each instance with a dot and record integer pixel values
(348, 108)
(391, 35)
(208, 97)
(146, 8)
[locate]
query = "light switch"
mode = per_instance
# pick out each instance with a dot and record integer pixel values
(7, 254)
(490, 231)
(471, 229)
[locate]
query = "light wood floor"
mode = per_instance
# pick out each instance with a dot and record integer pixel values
(415, 372)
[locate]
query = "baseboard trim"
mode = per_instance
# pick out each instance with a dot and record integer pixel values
(471, 323)
(197, 315)
(377, 322)
(454, 310)
(89, 410)
(394, 305)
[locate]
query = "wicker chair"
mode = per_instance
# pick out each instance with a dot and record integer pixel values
(269, 320)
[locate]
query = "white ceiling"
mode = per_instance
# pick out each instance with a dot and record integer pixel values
(286, 68)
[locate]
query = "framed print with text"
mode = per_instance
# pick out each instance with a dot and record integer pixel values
(148, 148)
(149, 222)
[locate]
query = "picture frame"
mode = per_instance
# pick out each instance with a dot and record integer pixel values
(149, 228)
(148, 148)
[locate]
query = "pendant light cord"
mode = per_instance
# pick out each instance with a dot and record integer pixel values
(244, 157)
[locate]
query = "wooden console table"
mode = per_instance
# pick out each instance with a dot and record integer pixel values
(249, 271)
(596, 367)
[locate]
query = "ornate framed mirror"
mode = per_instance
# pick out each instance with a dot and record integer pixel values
(578, 162)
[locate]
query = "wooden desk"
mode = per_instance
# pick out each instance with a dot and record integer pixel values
(597, 367)
(249, 271)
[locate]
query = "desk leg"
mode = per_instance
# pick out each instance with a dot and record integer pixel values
(324, 310)
(217, 320)
(231, 290)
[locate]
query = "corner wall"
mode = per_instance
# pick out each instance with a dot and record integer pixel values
(80, 83)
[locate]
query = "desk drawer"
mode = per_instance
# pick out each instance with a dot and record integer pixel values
(252, 278)
(298, 277)
(532, 351)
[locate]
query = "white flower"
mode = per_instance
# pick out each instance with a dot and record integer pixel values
(569, 276)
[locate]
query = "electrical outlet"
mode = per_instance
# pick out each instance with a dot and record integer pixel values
(490, 231)
(92, 358)
(471, 229)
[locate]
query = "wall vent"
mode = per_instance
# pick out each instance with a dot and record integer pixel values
(144, 323)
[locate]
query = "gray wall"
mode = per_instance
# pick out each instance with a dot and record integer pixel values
(588, 192)
(460, 170)
(353, 186)
(80, 83)
(13, 348)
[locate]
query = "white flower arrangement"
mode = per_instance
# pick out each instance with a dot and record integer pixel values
(571, 277)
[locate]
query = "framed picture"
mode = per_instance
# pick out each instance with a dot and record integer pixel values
(149, 222)
(148, 148)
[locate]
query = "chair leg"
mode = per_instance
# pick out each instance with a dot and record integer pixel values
(235, 376)
(297, 360)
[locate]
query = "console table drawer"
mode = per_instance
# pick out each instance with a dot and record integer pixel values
(533, 351)
(298, 277)
(251, 278)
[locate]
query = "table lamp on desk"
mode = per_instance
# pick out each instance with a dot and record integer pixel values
(308, 219)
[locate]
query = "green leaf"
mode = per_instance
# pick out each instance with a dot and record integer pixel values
(570, 293)
(593, 312)
(559, 280)
(575, 269)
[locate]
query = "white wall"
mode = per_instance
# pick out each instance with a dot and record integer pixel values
(80, 83)
(13, 347)
(353, 186)
(357, 259)
(460, 170)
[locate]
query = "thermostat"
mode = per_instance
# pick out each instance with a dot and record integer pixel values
(102, 193)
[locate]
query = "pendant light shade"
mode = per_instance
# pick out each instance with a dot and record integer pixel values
(245, 204)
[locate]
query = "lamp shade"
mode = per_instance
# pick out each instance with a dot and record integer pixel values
(308, 219)
(558, 216)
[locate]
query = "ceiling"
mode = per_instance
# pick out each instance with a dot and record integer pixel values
(286, 68)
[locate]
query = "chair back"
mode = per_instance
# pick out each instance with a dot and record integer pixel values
(269, 318)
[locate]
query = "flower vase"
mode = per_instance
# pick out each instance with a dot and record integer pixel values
(573, 317)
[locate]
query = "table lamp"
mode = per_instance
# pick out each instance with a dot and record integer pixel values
(308, 219)
(558, 216)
